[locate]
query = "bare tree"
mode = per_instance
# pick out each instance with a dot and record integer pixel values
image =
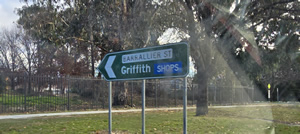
(9, 51)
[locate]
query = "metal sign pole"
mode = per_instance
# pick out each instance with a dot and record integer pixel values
(143, 106)
(109, 108)
(184, 106)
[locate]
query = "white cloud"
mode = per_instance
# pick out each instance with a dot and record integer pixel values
(7, 12)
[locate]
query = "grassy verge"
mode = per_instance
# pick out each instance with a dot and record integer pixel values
(12, 100)
(15, 102)
(278, 119)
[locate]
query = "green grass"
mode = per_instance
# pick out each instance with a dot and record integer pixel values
(11, 100)
(226, 120)
(19, 100)
(279, 113)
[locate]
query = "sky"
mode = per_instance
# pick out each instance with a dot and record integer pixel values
(8, 14)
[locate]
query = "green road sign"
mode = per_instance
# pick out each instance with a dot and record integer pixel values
(165, 61)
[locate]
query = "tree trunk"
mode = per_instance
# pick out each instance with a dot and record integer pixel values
(202, 100)
(91, 23)
(199, 57)
(120, 93)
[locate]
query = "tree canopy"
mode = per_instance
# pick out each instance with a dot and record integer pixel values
(256, 39)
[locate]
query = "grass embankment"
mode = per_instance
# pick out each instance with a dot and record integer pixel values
(278, 119)
(15, 102)
(12, 100)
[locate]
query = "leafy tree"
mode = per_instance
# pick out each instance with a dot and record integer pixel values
(276, 27)
(215, 31)
(242, 37)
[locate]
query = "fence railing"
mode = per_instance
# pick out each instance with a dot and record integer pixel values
(24, 93)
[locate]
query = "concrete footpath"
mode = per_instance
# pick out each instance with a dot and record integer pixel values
(25, 116)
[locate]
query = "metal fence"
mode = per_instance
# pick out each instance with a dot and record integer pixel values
(25, 93)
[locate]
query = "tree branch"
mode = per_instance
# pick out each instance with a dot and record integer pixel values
(275, 17)
(286, 10)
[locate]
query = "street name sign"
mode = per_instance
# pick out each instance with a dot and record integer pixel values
(165, 61)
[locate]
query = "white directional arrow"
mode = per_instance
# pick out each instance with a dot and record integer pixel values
(108, 68)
